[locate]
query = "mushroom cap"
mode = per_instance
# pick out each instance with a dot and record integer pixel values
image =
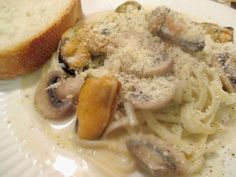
(70, 87)
(150, 57)
(47, 103)
(154, 95)
(156, 70)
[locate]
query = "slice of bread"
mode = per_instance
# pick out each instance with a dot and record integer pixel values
(30, 31)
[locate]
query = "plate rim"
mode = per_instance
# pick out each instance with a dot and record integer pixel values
(7, 94)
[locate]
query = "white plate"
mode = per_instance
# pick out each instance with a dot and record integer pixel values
(26, 147)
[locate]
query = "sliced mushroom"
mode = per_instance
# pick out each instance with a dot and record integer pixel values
(156, 157)
(173, 26)
(226, 65)
(152, 96)
(161, 63)
(161, 68)
(70, 87)
(128, 5)
(51, 97)
(97, 102)
(78, 46)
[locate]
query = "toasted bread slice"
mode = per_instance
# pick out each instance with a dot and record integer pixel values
(30, 31)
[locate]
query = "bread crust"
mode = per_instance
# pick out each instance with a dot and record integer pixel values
(33, 53)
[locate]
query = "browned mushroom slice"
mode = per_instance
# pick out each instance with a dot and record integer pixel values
(152, 95)
(226, 65)
(53, 97)
(175, 27)
(218, 33)
(156, 157)
(123, 8)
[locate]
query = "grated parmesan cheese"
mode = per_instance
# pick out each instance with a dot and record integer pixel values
(134, 52)
(137, 51)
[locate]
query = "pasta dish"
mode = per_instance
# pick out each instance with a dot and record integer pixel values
(150, 90)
